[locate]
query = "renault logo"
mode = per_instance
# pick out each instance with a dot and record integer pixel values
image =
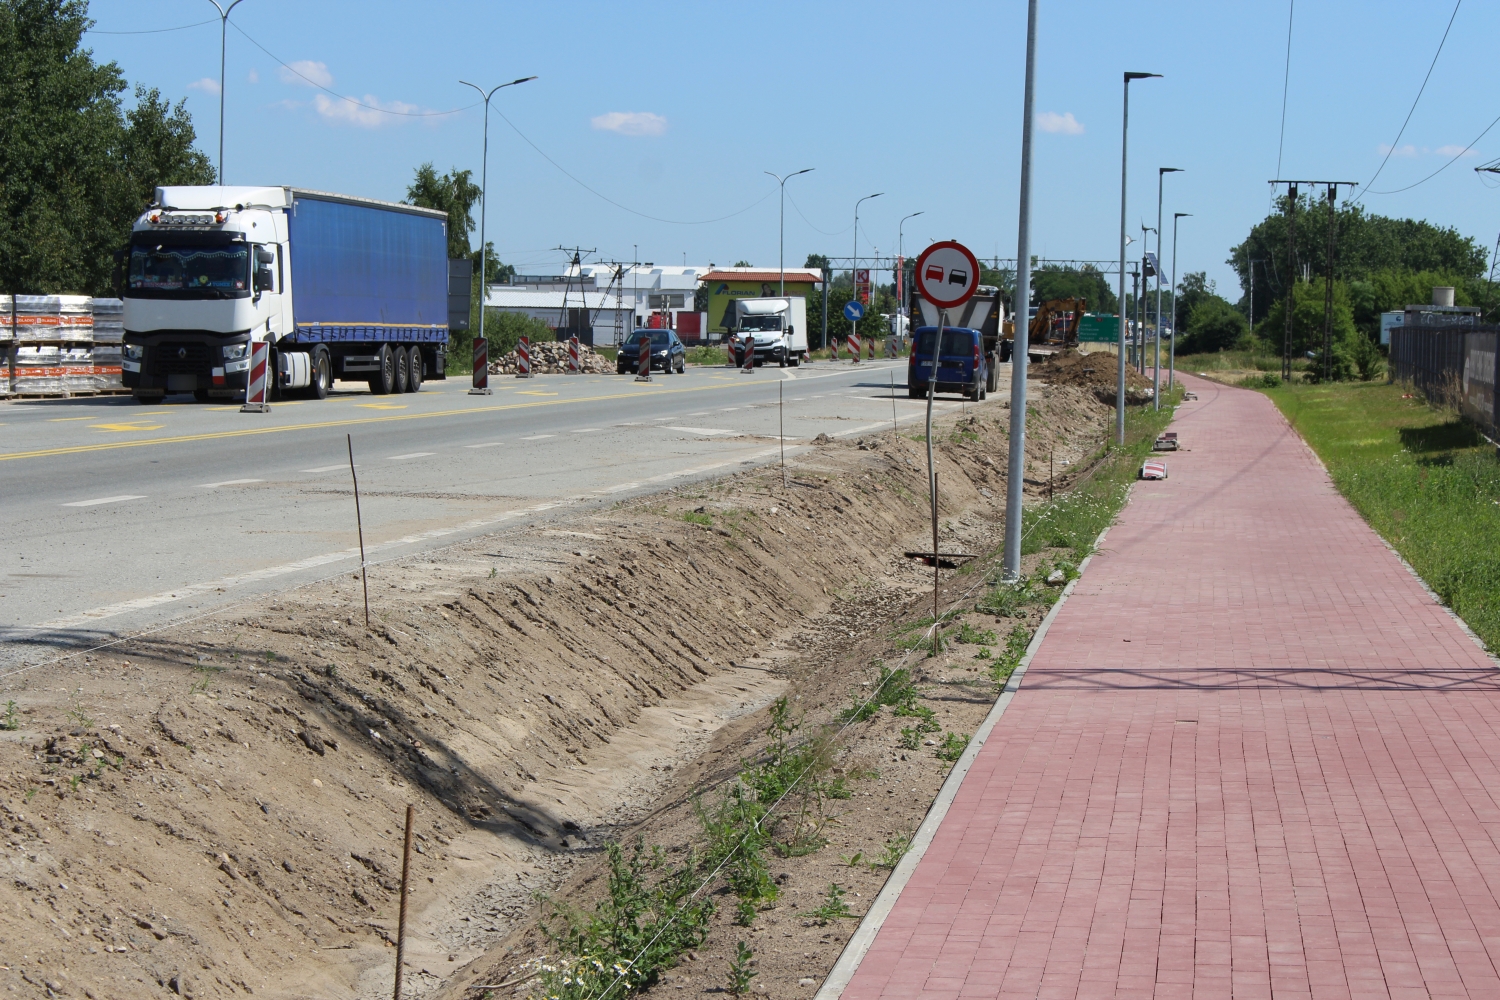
(182, 352)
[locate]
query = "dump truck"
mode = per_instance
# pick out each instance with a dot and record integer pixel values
(987, 311)
(340, 287)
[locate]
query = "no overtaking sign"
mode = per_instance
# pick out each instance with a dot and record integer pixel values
(947, 274)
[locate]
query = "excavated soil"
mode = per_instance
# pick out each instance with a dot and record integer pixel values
(1097, 373)
(217, 809)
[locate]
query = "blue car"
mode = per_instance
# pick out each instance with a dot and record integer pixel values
(668, 354)
(961, 363)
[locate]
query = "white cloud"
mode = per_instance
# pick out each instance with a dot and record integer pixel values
(367, 114)
(306, 73)
(1454, 151)
(208, 85)
(1387, 150)
(1066, 124)
(254, 76)
(630, 123)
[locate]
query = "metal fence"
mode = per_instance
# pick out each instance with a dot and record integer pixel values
(1451, 367)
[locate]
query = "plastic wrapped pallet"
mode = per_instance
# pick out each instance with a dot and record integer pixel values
(78, 369)
(109, 321)
(39, 369)
(107, 367)
(6, 329)
(54, 319)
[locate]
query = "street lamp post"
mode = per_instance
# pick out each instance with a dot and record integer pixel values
(1172, 349)
(484, 182)
(854, 263)
(1161, 172)
(1141, 312)
(782, 254)
(900, 262)
(1124, 164)
(223, 29)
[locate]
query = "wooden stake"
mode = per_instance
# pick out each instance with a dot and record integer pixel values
(411, 813)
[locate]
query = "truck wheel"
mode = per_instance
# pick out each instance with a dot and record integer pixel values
(384, 383)
(402, 367)
(414, 371)
(148, 398)
(916, 393)
(992, 379)
(322, 375)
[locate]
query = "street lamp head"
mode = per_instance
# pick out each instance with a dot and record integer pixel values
(1169, 170)
(1181, 215)
(1139, 76)
(807, 171)
(524, 79)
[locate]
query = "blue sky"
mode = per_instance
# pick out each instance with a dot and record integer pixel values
(675, 109)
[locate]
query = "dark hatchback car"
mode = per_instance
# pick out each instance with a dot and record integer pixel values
(961, 364)
(667, 353)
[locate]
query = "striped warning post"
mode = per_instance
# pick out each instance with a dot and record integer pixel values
(854, 347)
(255, 382)
(643, 360)
(1153, 469)
(573, 365)
(749, 355)
(523, 358)
(481, 385)
(729, 341)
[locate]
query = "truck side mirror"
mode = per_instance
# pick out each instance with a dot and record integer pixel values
(265, 257)
(263, 279)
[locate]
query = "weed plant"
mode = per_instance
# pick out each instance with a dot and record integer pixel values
(693, 517)
(833, 907)
(1007, 662)
(648, 919)
(740, 972)
(892, 687)
(972, 636)
(11, 720)
(911, 736)
(895, 849)
(952, 747)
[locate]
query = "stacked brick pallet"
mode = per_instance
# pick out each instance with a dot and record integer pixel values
(51, 346)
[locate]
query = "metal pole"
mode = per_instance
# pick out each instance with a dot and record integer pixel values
(1124, 191)
(1161, 173)
(854, 264)
(405, 891)
(1172, 348)
(901, 307)
(1333, 191)
(937, 340)
(484, 193)
(359, 522)
(1015, 484)
(782, 253)
(223, 45)
(1288, 300)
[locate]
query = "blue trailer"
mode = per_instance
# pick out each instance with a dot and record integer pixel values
(341, 288)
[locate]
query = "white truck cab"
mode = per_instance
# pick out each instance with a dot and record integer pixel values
(777, 324)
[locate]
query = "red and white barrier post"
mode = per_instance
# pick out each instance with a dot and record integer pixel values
(854, 347)
(834, 346)
(255, 379)
(749, 367)
(481, 368)
(729, 341)
(643, 360)
(573, 366)
(523, 358)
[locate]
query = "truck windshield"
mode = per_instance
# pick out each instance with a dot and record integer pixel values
(210, 272)
(763, 322)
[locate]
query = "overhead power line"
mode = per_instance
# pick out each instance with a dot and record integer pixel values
(149, 31)
(1286, 79)
(1445, 166)
(805, 219)
(1412, 110)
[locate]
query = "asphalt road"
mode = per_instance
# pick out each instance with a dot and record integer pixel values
(122, 517)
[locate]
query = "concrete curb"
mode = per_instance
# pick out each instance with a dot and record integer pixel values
(864, 935)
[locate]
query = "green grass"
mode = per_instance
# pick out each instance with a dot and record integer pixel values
(1422, 477)
(1233, 361)
(703, 354)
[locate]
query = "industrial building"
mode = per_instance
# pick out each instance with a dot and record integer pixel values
(602, 303)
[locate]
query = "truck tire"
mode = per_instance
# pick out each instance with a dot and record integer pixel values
(384, 383)
(148, 398)
(403, 364)
(322, 375)
(414, 371)
(992, 379)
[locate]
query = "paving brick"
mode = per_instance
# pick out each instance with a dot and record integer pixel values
(1252, 758)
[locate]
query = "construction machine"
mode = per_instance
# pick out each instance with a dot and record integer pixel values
(1056, 322)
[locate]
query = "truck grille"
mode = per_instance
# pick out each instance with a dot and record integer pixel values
(178, 359)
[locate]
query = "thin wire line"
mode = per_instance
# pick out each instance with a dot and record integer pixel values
(1412, 110)
(360, 104)
(623, 208)
(1445, 166)
(1286, 79)
(149, 31)
(805, 219)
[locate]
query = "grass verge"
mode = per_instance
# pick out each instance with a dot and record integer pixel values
(1421, 476)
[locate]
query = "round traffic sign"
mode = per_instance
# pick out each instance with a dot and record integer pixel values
(947, 274)
(854, 310)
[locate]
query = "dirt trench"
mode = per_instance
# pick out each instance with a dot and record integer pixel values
(215, 810)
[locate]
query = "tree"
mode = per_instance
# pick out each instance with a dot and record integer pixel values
(1088, 283)
(817, 260)
(455, 193)
(743, 263)
(1212, 325)
(1307, 319)
(77, 169)
(1364, 245)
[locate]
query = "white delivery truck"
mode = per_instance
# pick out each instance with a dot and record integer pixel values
(778, 325)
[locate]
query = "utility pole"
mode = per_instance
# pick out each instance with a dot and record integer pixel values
(1015, 495)
(1289, 299)
(1172, 349)
(781, 256)
(1161, 172)
(223, 40)
(1333, 215)
(1124, 192)
(1140, 302)
(854, 263)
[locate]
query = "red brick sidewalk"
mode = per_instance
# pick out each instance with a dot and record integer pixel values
(1251, 759)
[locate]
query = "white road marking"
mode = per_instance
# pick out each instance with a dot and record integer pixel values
(414, 454)
(228, 482)
(95, 503)
(487, 444)
(329, 468)
(538, 437)
(706, 431)
(584, 430)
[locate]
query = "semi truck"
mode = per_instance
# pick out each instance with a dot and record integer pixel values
(778, 325)
(339, 287)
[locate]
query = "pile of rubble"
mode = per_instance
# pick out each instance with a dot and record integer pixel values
(552, 359)
(1097, 372)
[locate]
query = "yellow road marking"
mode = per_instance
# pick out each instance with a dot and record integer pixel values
(127, 427)
(60, 420)
(535, 392)
(327, 424)
(382, 406)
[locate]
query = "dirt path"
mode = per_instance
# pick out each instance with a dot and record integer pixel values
(215, 810)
